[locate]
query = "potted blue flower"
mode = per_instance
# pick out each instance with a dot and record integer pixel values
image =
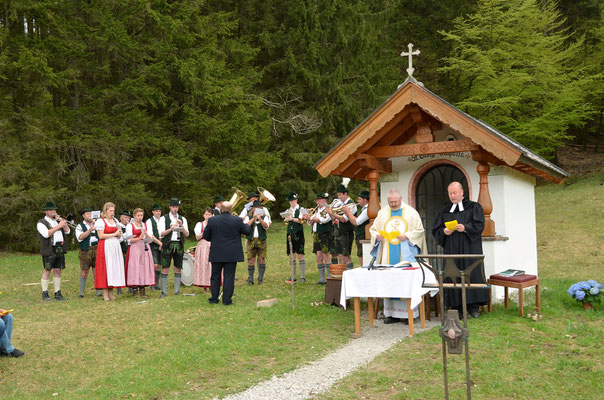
(587, 292)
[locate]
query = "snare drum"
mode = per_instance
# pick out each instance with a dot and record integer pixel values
(188, 269)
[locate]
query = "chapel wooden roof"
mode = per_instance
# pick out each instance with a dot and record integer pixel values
(385, 133)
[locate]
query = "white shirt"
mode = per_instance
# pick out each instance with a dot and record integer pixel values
(246, 209)
(58, 235)
(267, 219)
(322, 220)
(363, 217)
(161, 226)
(79, 231)
(149, 227)
(353, 209)
(197, 230)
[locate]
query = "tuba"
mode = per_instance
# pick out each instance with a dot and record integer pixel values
(237, 199)
(265, 196)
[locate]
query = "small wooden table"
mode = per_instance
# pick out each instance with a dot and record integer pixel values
(371, 310)
(519, 282)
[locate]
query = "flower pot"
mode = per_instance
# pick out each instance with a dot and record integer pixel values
(336, 270)
(588, 306)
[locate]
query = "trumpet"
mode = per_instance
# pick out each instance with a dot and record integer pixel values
(311, 212)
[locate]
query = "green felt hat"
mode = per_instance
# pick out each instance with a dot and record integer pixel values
(342, 189)
(252, 194)
(364, 194)
(218, 199)
(174, 202)
(323, 196)
(85, 210)
(156, 207)
(49, 206)
(257, 203)
(292, 196)
(126, 213)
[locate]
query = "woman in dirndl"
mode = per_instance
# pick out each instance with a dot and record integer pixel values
(203, 268)
(139, 260)
(109, 272)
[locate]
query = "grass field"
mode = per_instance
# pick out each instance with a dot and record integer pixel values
(182, 347)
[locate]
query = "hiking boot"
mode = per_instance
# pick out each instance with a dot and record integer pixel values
(59, 296)
(162, 295)
(45, 296)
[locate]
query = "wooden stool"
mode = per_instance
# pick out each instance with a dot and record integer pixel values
(519, 282)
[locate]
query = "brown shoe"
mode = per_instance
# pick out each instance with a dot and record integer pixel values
(134, 291)
(142, 293)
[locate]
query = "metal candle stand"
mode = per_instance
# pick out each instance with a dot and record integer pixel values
(452, 333)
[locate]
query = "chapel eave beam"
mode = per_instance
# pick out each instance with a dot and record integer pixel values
(423, 148)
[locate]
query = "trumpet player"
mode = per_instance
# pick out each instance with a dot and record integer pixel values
(259, 221)
(53, 246)
(321, 231)
(359, 220)
(295, 237)
(345, 234)
(251, 198)
(87, 238)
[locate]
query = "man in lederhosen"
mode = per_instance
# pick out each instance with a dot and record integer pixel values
(53, 247)
(218, 200)
(295, 237)
(360, 221)
(152, 226)
(322, 231)
(173, 229)
(345, 235)
(259, 221)
(87, 241)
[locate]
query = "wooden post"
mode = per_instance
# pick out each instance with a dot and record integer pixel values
(374, 203)
(484, 198)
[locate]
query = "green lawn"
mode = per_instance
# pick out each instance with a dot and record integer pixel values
(181, 347)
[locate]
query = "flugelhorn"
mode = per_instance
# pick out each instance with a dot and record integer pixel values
(340, 210)
(265, 195)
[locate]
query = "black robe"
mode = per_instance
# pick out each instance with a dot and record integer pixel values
(467, 242)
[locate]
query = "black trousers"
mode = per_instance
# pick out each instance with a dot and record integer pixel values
(228, 284)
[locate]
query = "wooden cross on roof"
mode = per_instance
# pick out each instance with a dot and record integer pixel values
(411, 53)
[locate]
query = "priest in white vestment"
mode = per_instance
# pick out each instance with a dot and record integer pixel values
(403, 227)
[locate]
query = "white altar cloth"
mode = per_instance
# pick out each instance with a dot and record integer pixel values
(384, 283)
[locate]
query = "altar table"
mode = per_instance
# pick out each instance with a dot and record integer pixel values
(386, 283)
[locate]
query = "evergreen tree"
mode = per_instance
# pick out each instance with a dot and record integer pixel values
(514, 67)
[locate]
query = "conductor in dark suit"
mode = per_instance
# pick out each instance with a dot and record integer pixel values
(224, 233)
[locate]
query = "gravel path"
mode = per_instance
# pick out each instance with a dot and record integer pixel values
(319, 376)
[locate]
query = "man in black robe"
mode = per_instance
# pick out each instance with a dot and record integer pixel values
(464, 239)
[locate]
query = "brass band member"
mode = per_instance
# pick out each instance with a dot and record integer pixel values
(53, 247)
(218, 200)
(152, 228)
(259, 221)
(87, 241)
(345, 235)
(321, 230)
(360, 221)
(295, 237)
(251, 198)
(173, 230)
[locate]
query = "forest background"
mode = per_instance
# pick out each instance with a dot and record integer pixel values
(137, 101)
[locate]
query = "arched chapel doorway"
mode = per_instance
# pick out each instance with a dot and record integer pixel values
(431, 195)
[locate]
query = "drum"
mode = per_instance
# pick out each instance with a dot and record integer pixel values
(188, 269)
